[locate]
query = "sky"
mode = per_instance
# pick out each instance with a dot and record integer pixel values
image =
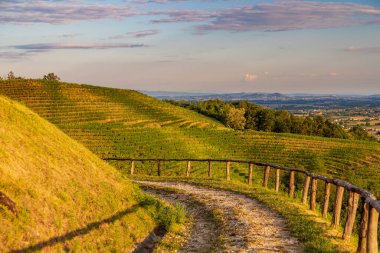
(287, 46)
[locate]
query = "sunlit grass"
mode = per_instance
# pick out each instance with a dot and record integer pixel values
(66, 197)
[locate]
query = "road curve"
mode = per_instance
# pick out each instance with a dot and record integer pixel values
(247, 225)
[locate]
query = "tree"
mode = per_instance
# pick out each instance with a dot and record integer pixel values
(358, 133)
(11, 75)
(334, 131)
(282, 123)
(265, 120)
(319, 125)
(297, 125)
(250, 113)
(51, 77)
(212, 108)
(235, 118)
(250, 116)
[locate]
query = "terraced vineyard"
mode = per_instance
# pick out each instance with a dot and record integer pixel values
(125, 123)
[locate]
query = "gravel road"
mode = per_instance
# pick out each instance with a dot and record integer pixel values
(245, 225)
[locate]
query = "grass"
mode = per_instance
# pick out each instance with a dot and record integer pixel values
(171, 219)
(125, 123)
(181, 233)
(67, 198)
(167, 216)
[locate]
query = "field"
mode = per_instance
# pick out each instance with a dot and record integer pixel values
(125, 123)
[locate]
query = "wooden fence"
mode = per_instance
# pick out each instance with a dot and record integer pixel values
(368, 230)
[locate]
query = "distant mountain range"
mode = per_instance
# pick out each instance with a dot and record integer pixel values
(279, 100)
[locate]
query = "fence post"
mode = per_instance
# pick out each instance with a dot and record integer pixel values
(313, 196)
(266, 176)
(291, 184)
(132, 167)
(362, 245)
(305, 190)
(338, 205)
(210, 168)
(188, 167)
(373, 223)
(277, 180)
(250, 172)
(159, 168)
(351, 215)
(326, 200)
(228, 176)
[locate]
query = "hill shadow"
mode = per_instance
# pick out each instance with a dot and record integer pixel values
(78, 232)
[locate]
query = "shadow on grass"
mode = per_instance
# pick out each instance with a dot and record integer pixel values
(78, 232)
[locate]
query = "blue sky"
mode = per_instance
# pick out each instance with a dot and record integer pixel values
(208, 45)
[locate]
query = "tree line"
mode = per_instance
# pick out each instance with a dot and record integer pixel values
(47, 77)
(245, 115)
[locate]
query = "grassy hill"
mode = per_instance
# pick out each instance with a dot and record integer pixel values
(67, 199)
(125, 123)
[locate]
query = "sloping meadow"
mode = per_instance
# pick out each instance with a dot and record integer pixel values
(57, 196)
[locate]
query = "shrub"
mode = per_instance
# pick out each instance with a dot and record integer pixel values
(51, 77)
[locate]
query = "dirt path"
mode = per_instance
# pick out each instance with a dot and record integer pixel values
(247, 225)
(204, 230)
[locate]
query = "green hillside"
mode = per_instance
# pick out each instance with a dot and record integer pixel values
(67, 199)
(125, 123)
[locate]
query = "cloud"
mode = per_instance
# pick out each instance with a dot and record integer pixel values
(54, 46)
(276, 16)
(250, 77)
(280, 15)
(14, 55)
(174, 16)
(70, 35)
(26, 50)
(364, 50)
(154, 1)
(59, 12)
(166, 1)
(138, 34)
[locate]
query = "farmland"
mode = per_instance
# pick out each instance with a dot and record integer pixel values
(366, 117)
(125, 123)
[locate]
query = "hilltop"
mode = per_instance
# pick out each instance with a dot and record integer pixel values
(125, 123)
(60, 196)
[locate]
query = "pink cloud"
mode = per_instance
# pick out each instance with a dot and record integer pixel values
(53, 46)
(250, 77)
(276, 16)
(59, 12)
(138, 34)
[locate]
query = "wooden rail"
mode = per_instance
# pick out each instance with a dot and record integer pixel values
(369, 222)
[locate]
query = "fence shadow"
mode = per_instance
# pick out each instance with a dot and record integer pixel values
(78, 232)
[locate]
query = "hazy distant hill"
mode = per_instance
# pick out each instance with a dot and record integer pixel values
(280, 101)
